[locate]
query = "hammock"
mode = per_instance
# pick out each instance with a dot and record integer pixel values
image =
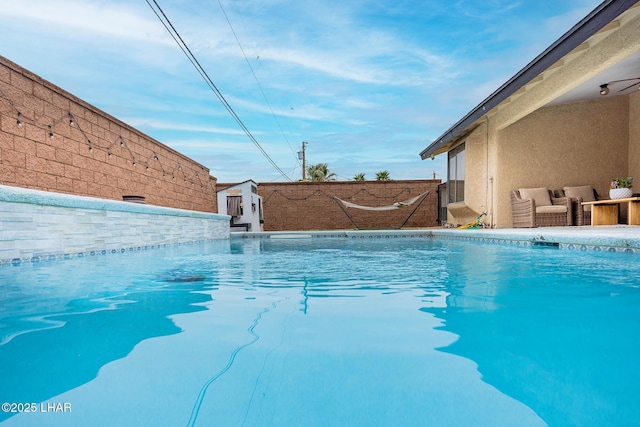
(396, 205)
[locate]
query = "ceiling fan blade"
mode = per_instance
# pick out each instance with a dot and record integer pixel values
(630, 86)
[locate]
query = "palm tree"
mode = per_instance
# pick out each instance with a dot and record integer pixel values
(320, 173)
(383, 176)
(359, 177)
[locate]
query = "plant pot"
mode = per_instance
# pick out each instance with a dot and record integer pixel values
(620, 193)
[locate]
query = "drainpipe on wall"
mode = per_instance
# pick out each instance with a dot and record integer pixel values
(489, 189)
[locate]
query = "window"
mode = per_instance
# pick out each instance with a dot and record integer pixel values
(456, 175)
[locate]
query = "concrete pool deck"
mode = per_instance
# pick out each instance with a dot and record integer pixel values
(619, 238)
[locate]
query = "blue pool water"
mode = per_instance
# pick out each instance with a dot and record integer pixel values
(323, 332)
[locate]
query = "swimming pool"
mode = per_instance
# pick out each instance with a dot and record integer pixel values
(323, 332)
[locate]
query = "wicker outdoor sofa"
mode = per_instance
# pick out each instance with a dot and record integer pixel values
(538, 207)
(577, 195)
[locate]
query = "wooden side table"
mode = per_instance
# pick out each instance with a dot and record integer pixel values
(605, 212)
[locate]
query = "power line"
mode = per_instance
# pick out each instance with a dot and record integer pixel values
(185, 49)
(257, 81)
(290, 172)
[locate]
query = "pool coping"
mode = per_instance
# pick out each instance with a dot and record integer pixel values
(30, 196)
(621, 238)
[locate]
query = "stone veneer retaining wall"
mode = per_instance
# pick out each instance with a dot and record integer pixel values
(40, 225)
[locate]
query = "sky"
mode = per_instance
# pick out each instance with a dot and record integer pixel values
(368, 84)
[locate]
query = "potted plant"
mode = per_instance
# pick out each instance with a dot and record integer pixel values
(621, 188)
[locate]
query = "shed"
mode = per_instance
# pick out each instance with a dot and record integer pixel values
(244, 205)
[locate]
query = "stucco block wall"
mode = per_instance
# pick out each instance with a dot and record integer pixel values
(36, 224)
(476, 200)
(634, 139)
(90, 152)
(584, 143)
(309, 205)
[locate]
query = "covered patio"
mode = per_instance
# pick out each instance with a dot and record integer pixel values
(568, 119)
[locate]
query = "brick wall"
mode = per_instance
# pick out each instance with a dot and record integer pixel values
(50, 140)
(310, 206)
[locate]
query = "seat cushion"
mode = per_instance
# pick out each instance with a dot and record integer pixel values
(540, 195)
(585, 192)
(552, 209)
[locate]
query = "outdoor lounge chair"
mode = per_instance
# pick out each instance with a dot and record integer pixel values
(577, 195)
(537, 207)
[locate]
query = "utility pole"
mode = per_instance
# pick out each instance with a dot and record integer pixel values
(302, 156)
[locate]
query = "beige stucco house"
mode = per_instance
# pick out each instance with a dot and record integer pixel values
(549, 125)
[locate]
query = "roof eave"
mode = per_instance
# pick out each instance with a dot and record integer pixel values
(602, 15)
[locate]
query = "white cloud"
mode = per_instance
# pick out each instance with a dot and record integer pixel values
(165, 125)
(485, 9)
(89, 17)
(365, 82)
